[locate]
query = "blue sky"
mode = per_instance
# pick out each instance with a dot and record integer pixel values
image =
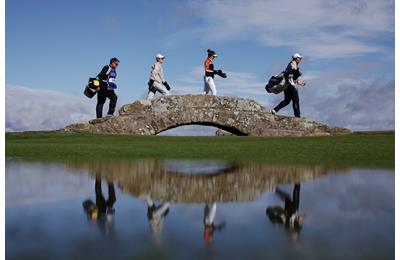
(52, 47)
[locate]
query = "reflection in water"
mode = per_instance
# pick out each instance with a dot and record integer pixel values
(170, 182)
(156, 216)
(339, 226)
(165, 182)
(102, 212)
(195, 167)
(232, 183)
(208, 220)
(289, 216)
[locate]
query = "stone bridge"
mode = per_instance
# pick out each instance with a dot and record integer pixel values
(240, 116)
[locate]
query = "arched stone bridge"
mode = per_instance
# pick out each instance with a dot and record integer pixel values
(240, 116)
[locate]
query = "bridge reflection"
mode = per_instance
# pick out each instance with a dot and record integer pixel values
(204, 182)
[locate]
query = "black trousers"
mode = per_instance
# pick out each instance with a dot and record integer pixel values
(291, 94)
(102, 95)
(101, 203)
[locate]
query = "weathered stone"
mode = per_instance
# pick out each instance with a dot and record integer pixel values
(240, 116)
(138, 105)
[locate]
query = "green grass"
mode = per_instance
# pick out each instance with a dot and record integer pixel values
(362, 149)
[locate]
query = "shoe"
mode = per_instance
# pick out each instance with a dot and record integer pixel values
(272, 111)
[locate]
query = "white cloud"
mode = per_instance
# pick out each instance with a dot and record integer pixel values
(38, 109)
(319, 29)
(359, 106)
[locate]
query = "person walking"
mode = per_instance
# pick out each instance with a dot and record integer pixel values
(107, 78)
(157, 81)
(209, 84)
(291, 76)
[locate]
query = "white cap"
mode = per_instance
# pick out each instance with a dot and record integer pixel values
(297, 55)
(160, 56)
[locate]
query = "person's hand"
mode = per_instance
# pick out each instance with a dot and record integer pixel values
(299, 83)
(98, 89)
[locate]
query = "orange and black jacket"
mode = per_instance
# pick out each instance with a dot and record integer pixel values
(209, 68)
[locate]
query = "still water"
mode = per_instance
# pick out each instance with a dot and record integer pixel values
(175, 209)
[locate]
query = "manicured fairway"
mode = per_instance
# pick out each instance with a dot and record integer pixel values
(364, 149)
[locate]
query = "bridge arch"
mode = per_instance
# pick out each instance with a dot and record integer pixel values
(228, 129)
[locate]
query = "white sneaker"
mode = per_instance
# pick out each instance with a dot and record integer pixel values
(272, 111)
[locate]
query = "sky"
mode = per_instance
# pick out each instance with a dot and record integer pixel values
(53, 47)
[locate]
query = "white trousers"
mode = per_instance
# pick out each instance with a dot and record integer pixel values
(160, 88)
(209, 85)
(209, 213)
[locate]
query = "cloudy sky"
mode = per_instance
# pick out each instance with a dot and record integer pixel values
(52, 47)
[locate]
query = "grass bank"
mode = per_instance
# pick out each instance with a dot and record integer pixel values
(362, 149)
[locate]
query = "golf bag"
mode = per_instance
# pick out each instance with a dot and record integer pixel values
(91, 88)
(276, 84)
(151, 87)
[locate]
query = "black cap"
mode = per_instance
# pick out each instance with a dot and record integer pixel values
(211, 53)
(113, 60)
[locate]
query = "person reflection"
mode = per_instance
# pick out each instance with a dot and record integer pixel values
(156, 216)
(103, 211)
(289, 216)
(209, 225)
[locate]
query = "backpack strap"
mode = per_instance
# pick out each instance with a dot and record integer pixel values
(109, 70)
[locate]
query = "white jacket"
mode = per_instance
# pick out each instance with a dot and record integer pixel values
(157, 73)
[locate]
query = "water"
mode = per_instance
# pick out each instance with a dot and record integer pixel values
(197, 210)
